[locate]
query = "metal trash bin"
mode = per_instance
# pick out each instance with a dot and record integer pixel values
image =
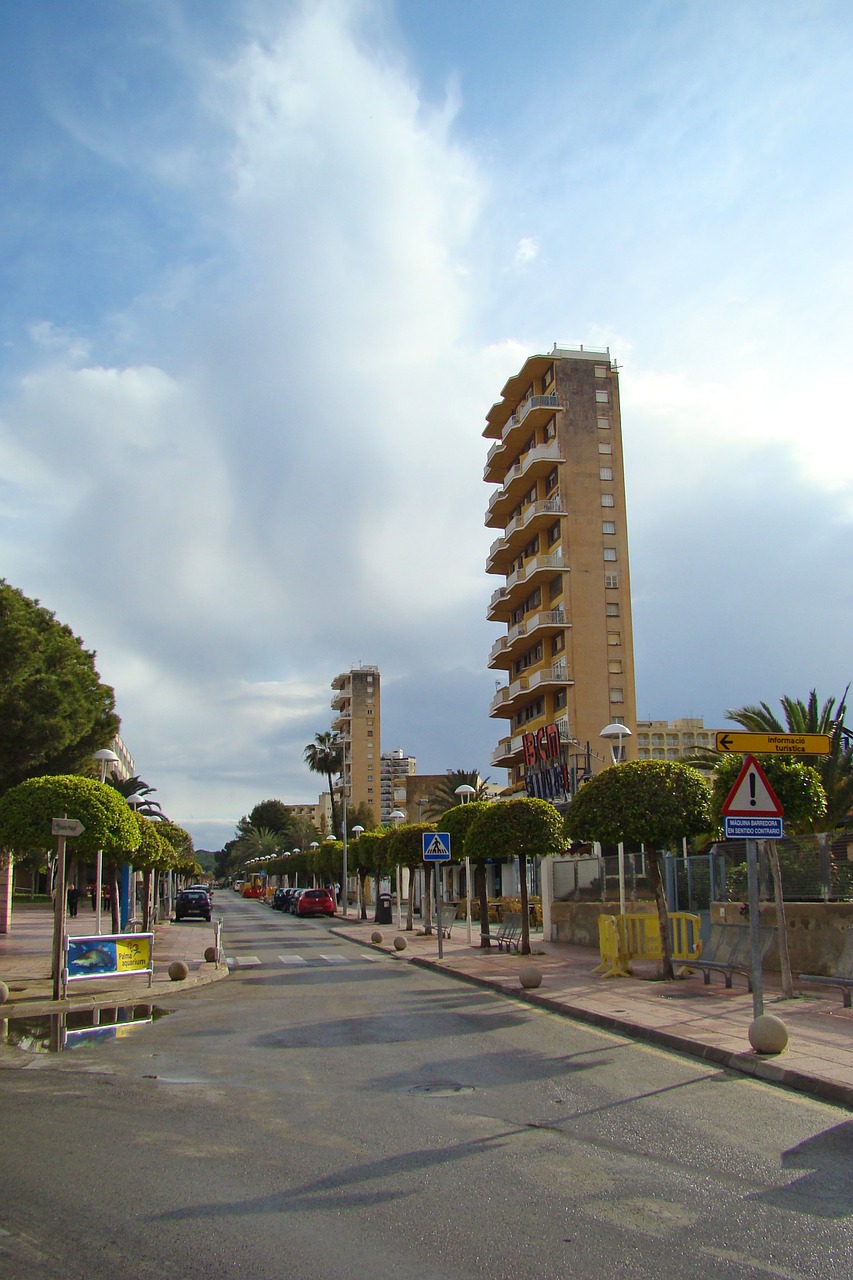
(383, 909)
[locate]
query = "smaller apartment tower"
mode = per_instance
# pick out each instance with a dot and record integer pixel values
(356, 721)
(562, 554)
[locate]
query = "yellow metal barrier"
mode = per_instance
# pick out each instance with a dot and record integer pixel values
(636, 936)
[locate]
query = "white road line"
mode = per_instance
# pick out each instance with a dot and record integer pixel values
(293, 960)
(245, 962)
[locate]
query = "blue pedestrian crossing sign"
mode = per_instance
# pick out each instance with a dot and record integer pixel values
(436, 846)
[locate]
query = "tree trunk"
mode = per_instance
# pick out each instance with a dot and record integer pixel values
(362, 886)
(663, 917)
(426, 899)
(483, 894)
(335, 823)
(524, 946)
(410, 913)
(781, 926)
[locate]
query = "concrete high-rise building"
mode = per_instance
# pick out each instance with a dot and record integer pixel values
(356, 704)
(395, 768)
(563, 554)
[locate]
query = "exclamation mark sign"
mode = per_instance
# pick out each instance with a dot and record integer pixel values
(751, 777)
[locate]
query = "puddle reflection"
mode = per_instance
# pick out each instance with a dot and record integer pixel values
(54, 1032)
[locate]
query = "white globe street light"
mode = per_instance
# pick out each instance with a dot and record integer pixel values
(465, 792)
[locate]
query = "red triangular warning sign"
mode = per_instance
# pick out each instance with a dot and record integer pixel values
(752, 795)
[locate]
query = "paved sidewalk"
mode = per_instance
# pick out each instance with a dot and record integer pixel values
(708, 1022)
(25, 962)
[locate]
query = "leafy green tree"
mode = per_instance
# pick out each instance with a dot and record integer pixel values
(273, 815)
(456, 822)
(27, 810)
(650, 802)
(444, 795)
(153, 856)
(361, 816)
(53, 707)
(325, 756)
(364, 860)
(835, 769)
(182, 843)
(524, 828)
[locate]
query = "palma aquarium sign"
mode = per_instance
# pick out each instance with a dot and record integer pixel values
(545, 773)
(109, 955)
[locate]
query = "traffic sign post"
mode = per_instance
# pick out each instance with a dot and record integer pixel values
(63, 828)
(775, 744)
(436, 849)
(752, 812)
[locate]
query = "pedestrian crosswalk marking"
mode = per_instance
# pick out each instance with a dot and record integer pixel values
(293, 960)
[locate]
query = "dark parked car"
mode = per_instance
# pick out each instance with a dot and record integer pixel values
(279, 900)
(293, 900)
(315, 902)
(192, 902)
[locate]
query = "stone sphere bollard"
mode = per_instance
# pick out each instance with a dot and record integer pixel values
(178, 970)
(768, 1034)
(4, 993)
(376, 937)
(530, 977)
(399, 943)
(210, 954)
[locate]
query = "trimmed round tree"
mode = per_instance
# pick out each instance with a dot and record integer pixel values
(650, 802)
(405, 849)
(524, 828)
(456, 822)
(27, 810)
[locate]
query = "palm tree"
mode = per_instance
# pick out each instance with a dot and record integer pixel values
(444, 796)
(136, 789)
(325, 756)
(835, 769)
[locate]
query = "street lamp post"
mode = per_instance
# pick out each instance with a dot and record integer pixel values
(465, 792)
(358, 832)
(615, 733)
(103, 757)
(397, 816)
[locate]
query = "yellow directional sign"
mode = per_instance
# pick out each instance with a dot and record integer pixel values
(775, 744)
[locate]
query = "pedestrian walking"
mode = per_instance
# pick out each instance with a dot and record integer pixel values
(73, 899)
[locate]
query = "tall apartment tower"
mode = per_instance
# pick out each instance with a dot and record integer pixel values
(563, 554)
(395, 768)
(356, 704)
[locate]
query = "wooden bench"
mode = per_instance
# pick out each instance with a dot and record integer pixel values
(509, 933)
(728, 952)
(843, 976)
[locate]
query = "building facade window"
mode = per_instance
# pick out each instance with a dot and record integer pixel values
(608, 526)
(614, 639)
(604, 424)
(616, 695)
(605, 473)
(612, 610)
(602, 397)
(611, 581)
(607, 500)
(609, 553)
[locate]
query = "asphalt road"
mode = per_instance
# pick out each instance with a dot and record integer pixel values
(327, 1112)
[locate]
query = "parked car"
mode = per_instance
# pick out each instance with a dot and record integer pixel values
(279, 899)
(192, 902)
(315, 902)
(293, 900)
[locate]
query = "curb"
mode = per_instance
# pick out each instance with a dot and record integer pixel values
(162, 987)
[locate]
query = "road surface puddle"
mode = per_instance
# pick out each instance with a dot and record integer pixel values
(55, 1032)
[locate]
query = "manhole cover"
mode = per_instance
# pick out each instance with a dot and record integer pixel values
(439, 1090)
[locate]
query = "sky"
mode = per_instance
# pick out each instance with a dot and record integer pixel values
(264, 267)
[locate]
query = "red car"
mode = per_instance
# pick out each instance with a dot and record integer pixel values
(315, 902)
